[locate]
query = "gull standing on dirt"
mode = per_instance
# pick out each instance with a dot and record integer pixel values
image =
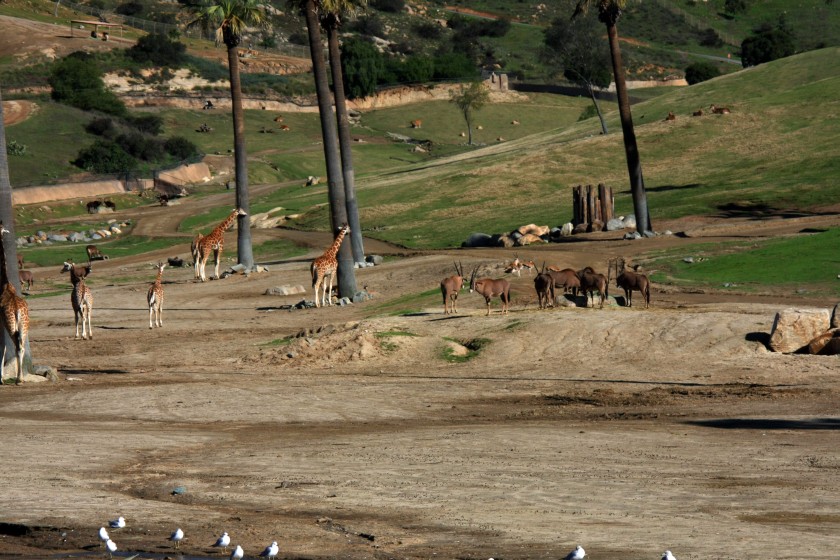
(668, 556)
(117, 523)
(103, 535)
(270, 551)
(177, 537)
(112, 548)
(237, 554)
(223, 542)
(577, 554)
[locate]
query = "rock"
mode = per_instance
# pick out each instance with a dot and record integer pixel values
(375, 259)
(596, 225)
(835, 317)
(57, 238)
(567, 229)
(505, 241)
(362, 295)
(344, 301)
(615, 224)
(477, 240)
(632, 235)
(285, 290)
(793, 329)
(457, 350)
(533, 229)
(688, 260)
(528, 239)
(630, 221)
(77, 237)
(580, 228)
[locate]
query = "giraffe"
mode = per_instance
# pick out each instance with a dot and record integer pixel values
(213, 241)
(324, 268)
(155, 299)
(15, 314)
(194, 251)
(82, 300)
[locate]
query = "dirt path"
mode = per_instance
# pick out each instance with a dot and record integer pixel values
(623, 430)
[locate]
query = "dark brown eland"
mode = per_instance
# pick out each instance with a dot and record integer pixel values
(544, 285)
(491, 288)
(566, 279)
(629, 280)
(591, 282)
(450, 287)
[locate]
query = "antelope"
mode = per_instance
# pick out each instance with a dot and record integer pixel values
(629, 281)
(516, 266)
(590, 282)
(719, 110)
(26, 278)
(697, 113)
(417, 123)
(566, 279)
(490, 288)
(285, 128)
(450, 287)
(671, 116)
(94, 254)
(544, 285)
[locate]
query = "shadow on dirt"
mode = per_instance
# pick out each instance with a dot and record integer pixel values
(769, 424)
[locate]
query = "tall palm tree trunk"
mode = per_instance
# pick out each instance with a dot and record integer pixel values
(245, 254)
(7, 216)
(335, 183)
(634, 163)
(345, 141)
(592, 96)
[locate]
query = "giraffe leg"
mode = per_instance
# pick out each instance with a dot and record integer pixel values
(203, 265)
(317, 287)
(3, 363)
(329, 295)
(217, 256)
(76, 316)
(151, 311)
(19, 346)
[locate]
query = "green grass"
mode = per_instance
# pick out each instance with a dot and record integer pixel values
(277, 249)
(55, 255)
(384, 337)
(277, 342)
(406, 304)
(474, 346)
(805, 259)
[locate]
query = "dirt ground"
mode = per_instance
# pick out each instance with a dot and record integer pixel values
(625, 430)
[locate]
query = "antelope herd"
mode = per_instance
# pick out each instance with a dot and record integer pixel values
(548, 280)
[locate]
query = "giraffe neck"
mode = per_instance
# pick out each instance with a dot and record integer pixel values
(331, 252)
(223, 227)
(159, 277)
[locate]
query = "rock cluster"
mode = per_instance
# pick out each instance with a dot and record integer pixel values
(811, 331)
(48, 238)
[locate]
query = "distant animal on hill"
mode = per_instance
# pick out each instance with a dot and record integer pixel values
(27, 279)
(697, 113)
(93, 206)
(417, 123)
(671, 116)
(94, 254)
(719, 110)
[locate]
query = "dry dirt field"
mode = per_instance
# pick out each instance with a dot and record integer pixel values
(628, 431)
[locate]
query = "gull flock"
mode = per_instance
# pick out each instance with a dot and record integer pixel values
(271, 551)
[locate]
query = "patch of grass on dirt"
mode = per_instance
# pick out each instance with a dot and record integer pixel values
(55, 255)
(277, 342)
(807, 259)
(386, 344)
(406, 304)
(474, 346)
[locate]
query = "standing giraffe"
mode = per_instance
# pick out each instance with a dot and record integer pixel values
(324, 268)
(82, 300)
(15, 314)
(213, 241)
(155, 299)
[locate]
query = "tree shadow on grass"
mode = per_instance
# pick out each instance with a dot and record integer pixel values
(761, 211)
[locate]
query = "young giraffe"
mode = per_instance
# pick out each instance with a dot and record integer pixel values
(324, 268)
(155, 299)
(213, 241)
(82, 300)
(15, 314)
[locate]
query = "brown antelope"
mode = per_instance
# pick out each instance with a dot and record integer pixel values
(417, 123)
(671, 116)
(697, 113)
(450, 287)
(566, 279)
(94, 254)
(719, 110)
(544, 285)
(285, 128)
(26, 279)
(590, 282)
(490, 288)
(517, 265)
(628, 281)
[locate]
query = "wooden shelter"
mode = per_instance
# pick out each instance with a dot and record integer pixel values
(95, 24)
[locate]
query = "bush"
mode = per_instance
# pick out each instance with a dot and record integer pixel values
(700, 72)
(102, 126)
(158, 49)
(105, 156)
(767, 43)
(180, 148)
(735, 6)
(369, 25)
(710, 38)
(362, 66)
(147, 123)
(141, 146)
(15, 148)
(131, 8)
(428, 30)
(77, 81)
(299, 38)
(454, 66)
(268, 41)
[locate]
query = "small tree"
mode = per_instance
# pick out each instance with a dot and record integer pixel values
(767, 43)
(700, 72)
(470, 99)
(361, 66)
(76, 80)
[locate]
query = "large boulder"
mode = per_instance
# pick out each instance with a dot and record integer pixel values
(528, 239)
(477, 240)
(793, 329)
(505, 241)
(630, 221)
(615, 224)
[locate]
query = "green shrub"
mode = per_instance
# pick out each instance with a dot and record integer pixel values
(77, 80)
(180, 148)
(362, 66)
(131, 8)
(767, 43)
(105, 156)
(700, 72)
(147, 123)
(157, 49)
(102, 126)
(15, 148)
(390, 6)
(141, 146)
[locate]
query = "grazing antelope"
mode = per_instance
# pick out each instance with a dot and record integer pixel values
(719, 110)
(450, 287)
(26, 278)
(417, 123)
(155, 299)
(590, 282)
(490, 288)
(629, 281)
(544, 285)
(517, 265)
(94, 254)
(82, 300)
(671, 116)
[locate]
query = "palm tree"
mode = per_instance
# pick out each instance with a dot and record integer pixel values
(228, 19)
(7, 218)
(335, 182)
(333, 10)
(608, 13)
